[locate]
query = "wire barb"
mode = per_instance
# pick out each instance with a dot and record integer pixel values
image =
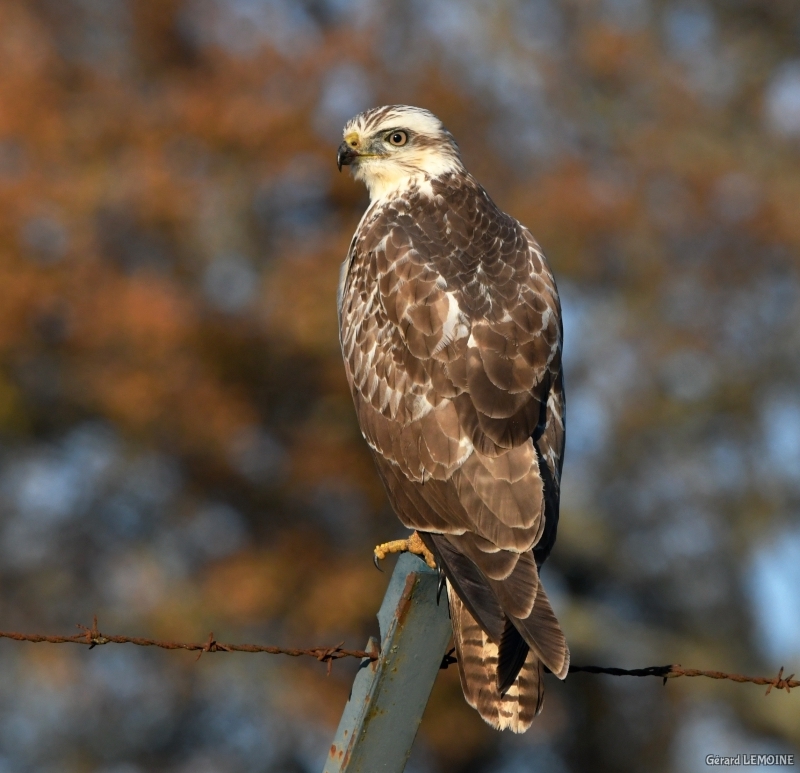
(93, 636)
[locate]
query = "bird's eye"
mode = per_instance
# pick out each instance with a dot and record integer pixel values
(398, 139)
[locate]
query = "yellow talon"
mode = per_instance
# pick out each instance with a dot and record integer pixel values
(413, 544)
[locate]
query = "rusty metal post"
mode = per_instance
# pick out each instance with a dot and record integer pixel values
(389, 695)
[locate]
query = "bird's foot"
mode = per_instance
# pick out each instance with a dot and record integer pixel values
(413, 544)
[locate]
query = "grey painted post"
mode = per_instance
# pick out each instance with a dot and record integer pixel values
(381, 718)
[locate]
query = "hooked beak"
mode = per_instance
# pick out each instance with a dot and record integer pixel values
(345, 155)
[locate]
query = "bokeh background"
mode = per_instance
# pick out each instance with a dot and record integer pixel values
(178, 449)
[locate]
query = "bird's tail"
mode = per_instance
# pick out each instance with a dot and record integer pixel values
(477, 665)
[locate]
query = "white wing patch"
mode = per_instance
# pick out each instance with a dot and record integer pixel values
(454, 325)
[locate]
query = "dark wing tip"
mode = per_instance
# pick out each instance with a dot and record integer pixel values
(510, 657)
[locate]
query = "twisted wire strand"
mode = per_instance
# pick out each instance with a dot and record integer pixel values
(92, 637)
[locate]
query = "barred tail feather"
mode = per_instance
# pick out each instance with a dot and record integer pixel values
(477, 666)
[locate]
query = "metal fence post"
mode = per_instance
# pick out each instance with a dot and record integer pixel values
(389, 695)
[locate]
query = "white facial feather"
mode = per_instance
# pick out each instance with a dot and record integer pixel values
(429, 153)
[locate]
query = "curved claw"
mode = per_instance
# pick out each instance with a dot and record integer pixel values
(375, 560)
(442, 579)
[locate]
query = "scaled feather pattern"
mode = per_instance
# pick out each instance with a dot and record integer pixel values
(450, 327)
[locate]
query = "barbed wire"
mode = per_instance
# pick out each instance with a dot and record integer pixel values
(92, 637)
(675, 670)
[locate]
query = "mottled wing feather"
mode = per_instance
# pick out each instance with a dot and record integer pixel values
(451, 335)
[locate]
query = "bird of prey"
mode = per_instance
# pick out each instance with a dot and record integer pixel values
(450, 327)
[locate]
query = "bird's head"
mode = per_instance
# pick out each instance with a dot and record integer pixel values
(389, 146)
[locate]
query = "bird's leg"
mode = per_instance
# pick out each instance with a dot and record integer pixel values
(413, 544)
